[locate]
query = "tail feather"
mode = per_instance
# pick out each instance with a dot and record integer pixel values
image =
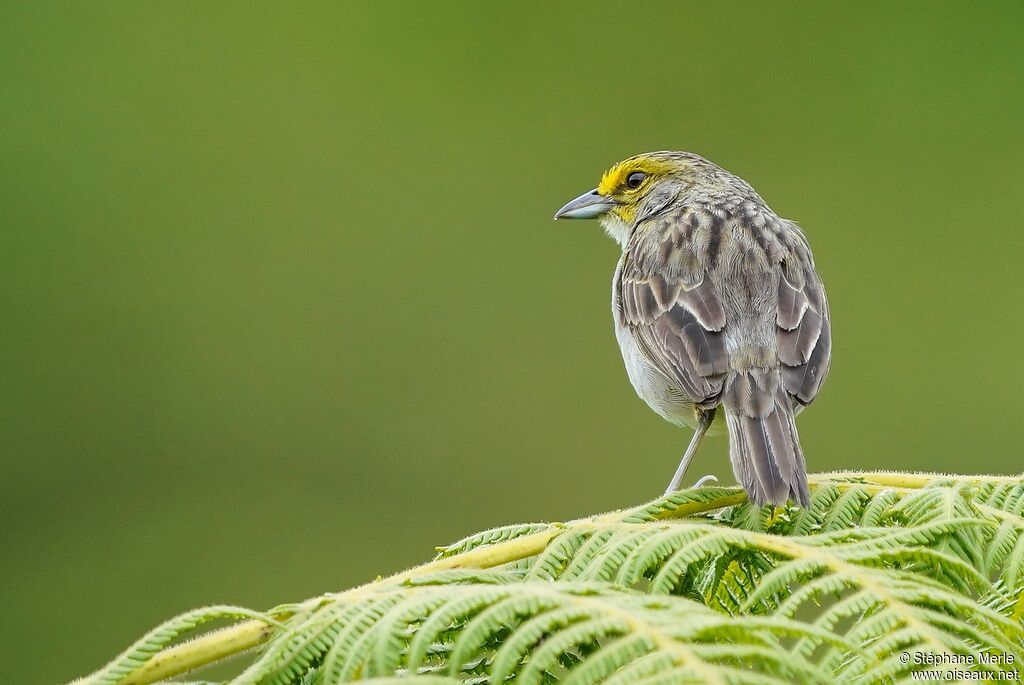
(764, 446)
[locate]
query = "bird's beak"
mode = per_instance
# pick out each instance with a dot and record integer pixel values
(589, 205)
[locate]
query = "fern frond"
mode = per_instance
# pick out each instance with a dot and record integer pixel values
(696, 587)
(491, 537)
(535, 631)
(143, 650)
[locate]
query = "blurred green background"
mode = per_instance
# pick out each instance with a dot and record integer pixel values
(283, 306)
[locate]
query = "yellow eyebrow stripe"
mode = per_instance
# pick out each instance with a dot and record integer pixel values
(615, 178)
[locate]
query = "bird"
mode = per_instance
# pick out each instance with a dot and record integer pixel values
(718, 309)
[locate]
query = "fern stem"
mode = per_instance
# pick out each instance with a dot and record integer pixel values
(909, 481)
(201, 651)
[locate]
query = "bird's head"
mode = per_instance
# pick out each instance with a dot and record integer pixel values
(638, 188)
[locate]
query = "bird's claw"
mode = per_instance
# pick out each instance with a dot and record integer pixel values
(706, 479)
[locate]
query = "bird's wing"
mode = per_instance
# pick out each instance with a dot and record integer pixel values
(803, 327)
(676, 317)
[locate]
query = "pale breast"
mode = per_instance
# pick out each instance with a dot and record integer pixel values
(651, 385)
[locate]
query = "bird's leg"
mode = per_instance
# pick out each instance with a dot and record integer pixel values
(704, 419)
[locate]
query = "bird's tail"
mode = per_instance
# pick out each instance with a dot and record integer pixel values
(764, 446)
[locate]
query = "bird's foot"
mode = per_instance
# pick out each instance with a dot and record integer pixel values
(700, 483)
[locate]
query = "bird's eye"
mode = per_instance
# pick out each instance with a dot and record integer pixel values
(634, 180)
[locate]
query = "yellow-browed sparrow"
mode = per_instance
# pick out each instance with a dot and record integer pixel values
(716, 302)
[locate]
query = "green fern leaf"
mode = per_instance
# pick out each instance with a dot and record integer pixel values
(696, 587)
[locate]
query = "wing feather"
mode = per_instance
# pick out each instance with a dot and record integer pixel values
(702, 301)
(792, 305)
(804, 332)
(677, 321)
